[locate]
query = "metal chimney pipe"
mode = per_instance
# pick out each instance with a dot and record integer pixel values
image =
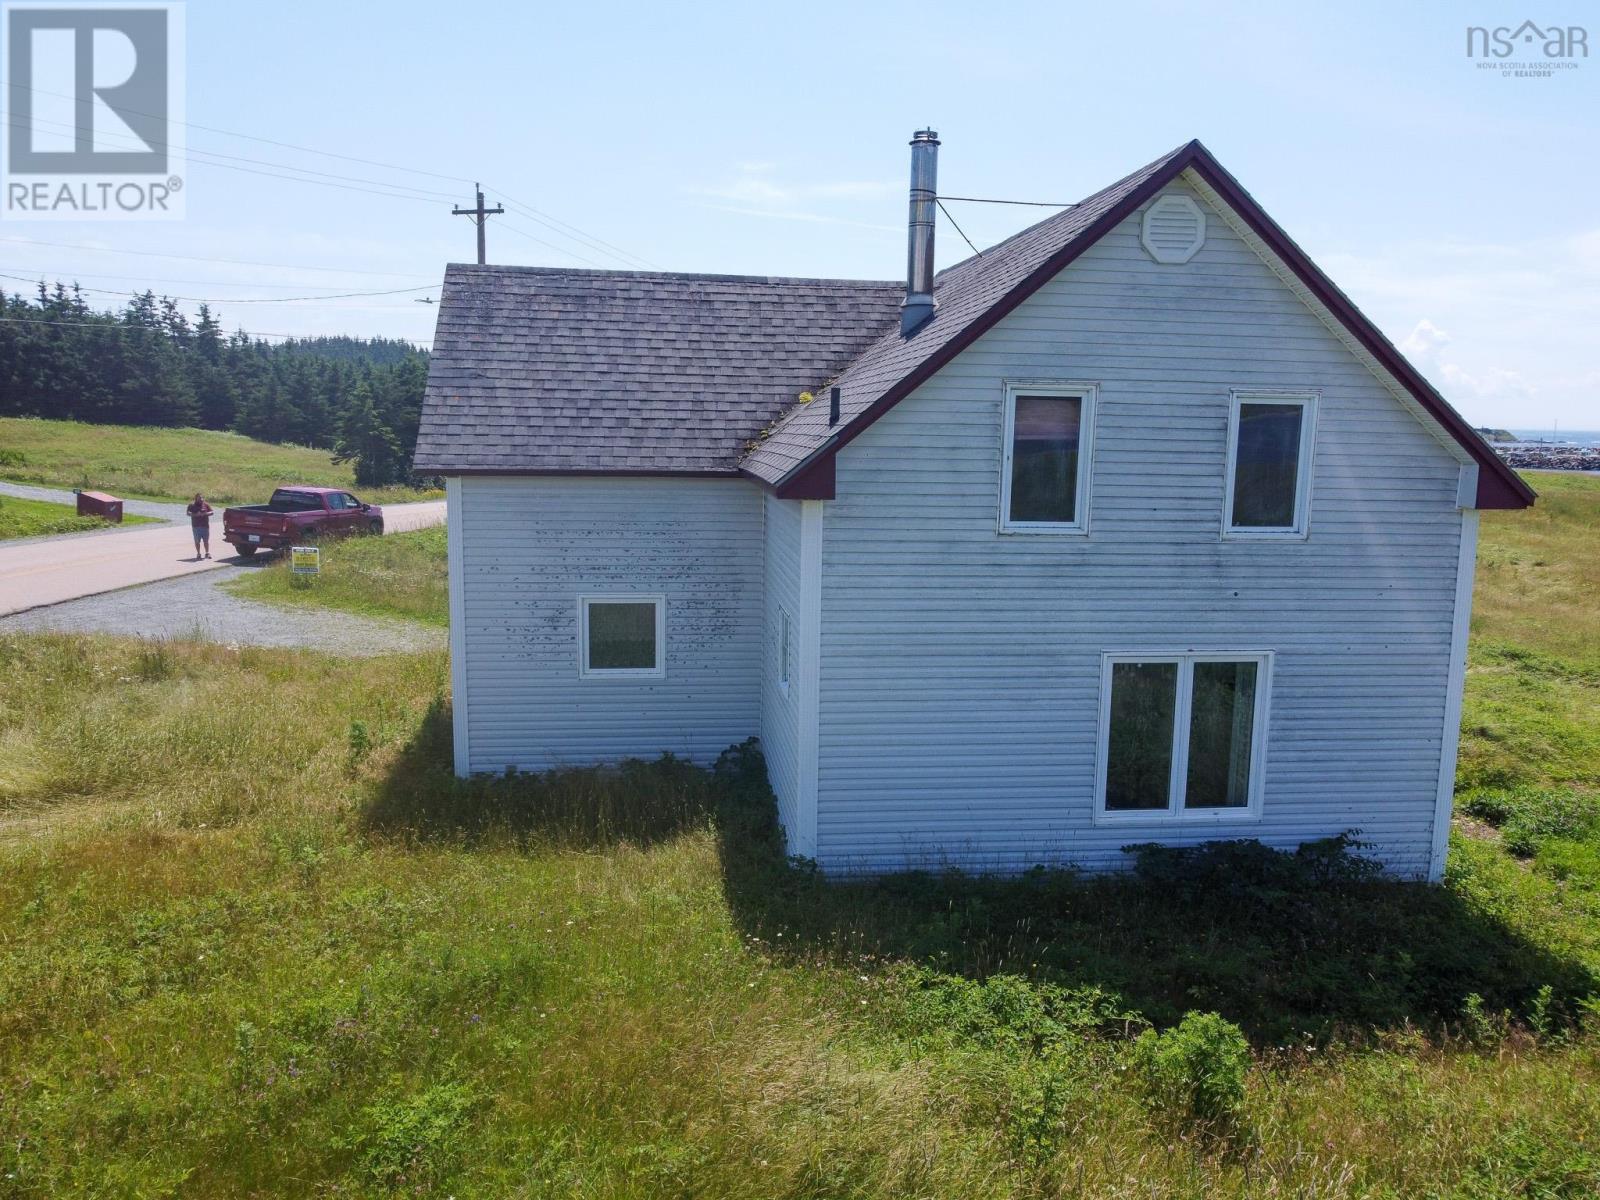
(918, 304)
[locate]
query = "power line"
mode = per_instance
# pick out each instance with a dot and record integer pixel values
(510, 228)
(236, 300)
(112, 327)
(577, 235)
(190, 151)
(958, 228)
(204, 160)
(157, 280)
(555, 224)
(230, 262)
(265, 141)
(1028, 203)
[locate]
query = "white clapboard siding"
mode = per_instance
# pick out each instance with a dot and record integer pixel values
(780, 710)
(960, 668)
(532, 545)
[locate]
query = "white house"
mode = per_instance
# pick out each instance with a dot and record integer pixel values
(1129, 529)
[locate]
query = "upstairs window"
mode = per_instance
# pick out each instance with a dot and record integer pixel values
(1044, 486)
(1269, 465)
(1182, 736)
(622, 637)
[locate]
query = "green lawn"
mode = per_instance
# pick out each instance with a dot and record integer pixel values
(256, 940)
(399, 575)
(40, 518)
(168, 464)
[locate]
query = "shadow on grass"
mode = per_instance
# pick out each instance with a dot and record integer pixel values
(579, 807)
(1284, 945)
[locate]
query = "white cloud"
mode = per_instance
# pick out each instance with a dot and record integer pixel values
(1506, 331)
(755, 191)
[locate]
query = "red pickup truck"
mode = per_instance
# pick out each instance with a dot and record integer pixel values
(296, 515)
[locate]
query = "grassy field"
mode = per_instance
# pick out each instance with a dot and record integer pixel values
(40, 518)
(256, 940)
(400, 575)
(168, 464)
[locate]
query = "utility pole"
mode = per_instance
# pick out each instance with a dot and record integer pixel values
(479, 215)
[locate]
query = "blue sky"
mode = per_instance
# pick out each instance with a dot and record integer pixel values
(1457, 207)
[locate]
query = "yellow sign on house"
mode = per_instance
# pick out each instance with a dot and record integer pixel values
(305, 560)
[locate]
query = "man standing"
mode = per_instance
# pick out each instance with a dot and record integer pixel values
(200, 525)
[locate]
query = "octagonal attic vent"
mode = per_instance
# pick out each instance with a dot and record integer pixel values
(1174, 229)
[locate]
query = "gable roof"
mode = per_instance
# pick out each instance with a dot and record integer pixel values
(796, 459)
(538, 370)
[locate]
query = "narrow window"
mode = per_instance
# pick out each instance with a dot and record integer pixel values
(1046, 470)
(1144, 697)
(621, 636)
(1269, 461)
(1222, 713)
(785, 649)
(1181, 735)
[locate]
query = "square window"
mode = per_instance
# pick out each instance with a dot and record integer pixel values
(1269, 465)
(621, 636)
(1182, 736)
(1045, 475)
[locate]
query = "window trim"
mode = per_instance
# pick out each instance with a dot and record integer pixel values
(1175, 812)
(585, 671)
(1086, 394)
(786, 650)
(1303, 469)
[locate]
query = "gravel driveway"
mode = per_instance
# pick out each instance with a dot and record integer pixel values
(196, 605)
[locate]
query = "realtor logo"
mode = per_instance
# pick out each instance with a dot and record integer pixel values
(94, 111)
(1527, 51)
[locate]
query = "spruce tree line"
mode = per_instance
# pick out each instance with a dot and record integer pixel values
(151, 365)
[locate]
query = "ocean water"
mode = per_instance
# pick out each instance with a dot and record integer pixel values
(1582, 437)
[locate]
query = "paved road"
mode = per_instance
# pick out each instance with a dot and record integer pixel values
(53, 570)
(160, 509)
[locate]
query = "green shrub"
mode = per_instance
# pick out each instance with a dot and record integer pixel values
(411, 1140)
(1528, 816)
(1195, 1070)
(1010, 1011)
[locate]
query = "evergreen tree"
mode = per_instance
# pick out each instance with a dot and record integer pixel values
(150, 365)
(366, 440)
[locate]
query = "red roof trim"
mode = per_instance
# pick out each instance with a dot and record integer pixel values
(1498, 485)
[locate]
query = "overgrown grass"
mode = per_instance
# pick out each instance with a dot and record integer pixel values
(1530, 748)
(40, 518)
(399, 575)
(256, 939)
(168, 464)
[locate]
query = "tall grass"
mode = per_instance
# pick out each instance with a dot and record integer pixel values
(398, 575)
(167, 464)
(256, 939)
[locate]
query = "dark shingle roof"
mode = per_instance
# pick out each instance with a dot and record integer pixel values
(550, 370)
(962, 294)
(536, 369)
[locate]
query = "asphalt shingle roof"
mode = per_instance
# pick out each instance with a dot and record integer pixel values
(538, 369)
(962, 294)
